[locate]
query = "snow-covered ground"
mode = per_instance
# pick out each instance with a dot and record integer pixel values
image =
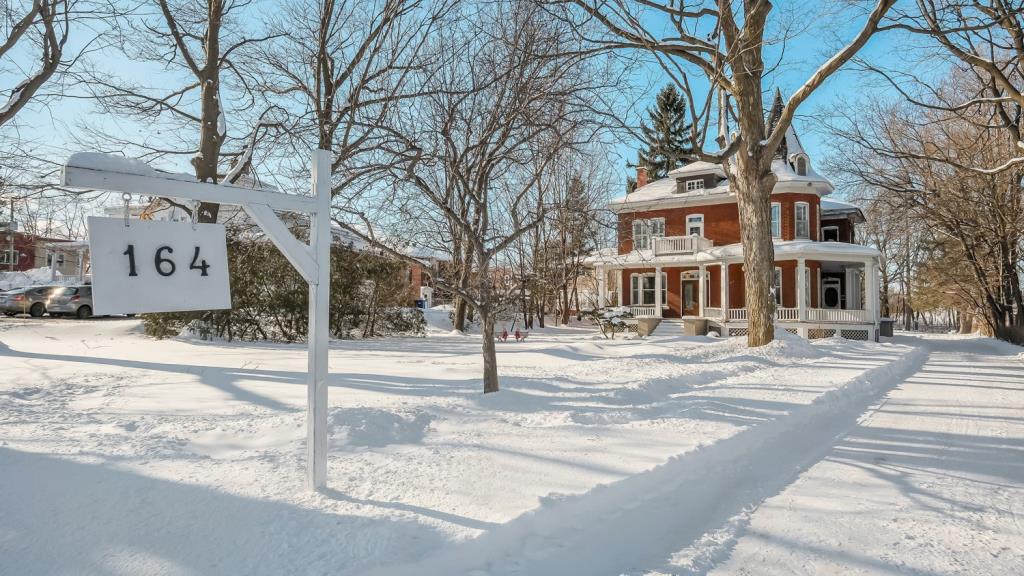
(124, 455)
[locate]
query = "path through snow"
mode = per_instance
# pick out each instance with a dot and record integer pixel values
(929, 482)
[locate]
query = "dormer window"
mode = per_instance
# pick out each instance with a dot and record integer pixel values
(801, 165)
(694, 185)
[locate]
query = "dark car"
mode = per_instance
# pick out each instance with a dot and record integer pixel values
(71, 301)
(31, 300)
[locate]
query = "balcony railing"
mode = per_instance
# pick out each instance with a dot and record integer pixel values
(681, 245)
(737, 314)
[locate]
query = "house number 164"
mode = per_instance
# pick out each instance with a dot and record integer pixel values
(164, 265)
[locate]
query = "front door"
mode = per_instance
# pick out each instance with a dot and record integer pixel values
(690, 293)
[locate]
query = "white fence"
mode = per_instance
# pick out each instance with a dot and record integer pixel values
(681, 245)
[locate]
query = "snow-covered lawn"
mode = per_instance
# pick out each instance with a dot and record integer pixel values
(124, 455)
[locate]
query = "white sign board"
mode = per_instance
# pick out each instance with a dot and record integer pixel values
(153, 266)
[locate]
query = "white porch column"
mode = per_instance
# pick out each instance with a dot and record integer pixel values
(602, 291)
(701, 292)
(801, 288)
(725, 289)
(618, 287)
(871, 286)
(657, 291)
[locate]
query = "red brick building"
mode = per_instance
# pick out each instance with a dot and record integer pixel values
(679, 253)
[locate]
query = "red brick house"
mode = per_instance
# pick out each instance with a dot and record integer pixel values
(679, 253)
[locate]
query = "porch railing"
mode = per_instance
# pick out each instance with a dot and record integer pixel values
(644, 311)
(836, 315)
(793, 315)
(787, 314)
(681, 244)
(737, 313)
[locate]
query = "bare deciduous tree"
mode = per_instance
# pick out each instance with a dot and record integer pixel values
(723, 43)
(511, 92)
(40, 27)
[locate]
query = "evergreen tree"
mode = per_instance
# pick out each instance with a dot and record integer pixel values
(666, 141)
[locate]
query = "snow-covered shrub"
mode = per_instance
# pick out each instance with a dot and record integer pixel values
(611, 320)
(270, 299)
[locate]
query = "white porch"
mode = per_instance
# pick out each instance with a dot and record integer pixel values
(841, 281)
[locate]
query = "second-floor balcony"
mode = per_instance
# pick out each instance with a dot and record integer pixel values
(680, 244)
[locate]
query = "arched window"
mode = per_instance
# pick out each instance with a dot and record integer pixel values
(801, 165)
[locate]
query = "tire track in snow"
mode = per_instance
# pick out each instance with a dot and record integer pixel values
(622, 527)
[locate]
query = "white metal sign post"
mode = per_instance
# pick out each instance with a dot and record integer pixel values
(312, 261)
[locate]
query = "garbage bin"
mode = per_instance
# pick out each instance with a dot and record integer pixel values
(421, 304)
(885, 327)
(695, 326)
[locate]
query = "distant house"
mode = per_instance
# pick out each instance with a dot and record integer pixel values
(679, 253)
(20, 252)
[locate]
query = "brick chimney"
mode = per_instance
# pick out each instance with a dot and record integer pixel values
(641, 176)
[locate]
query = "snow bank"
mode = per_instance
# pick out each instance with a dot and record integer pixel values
(784, 347)
(33, 277)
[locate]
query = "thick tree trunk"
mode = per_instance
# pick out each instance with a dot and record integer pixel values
(212, 127)
(754, 185)
(489, 351)
(459, 314)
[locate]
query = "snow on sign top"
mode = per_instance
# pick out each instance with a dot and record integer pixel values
(120, 165)
(110, 163)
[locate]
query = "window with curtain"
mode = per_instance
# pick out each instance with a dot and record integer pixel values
(803, 220)
(643, 289)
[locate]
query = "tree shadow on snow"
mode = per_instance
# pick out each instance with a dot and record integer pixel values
(62, 517)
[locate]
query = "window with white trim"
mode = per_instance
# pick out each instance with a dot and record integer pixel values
(776, 220)
(802, 220)
(777, 286)
(695, 225)
(642, 289)
(694, 185)
(801, 165)
(8, 256)
(830, 234)
(645, 230)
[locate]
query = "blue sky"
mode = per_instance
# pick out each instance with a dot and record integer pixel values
(51, 126)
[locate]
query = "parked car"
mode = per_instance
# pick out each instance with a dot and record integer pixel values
(31, 300)
(71, 301)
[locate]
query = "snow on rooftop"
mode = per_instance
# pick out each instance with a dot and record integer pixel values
(838, 205)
